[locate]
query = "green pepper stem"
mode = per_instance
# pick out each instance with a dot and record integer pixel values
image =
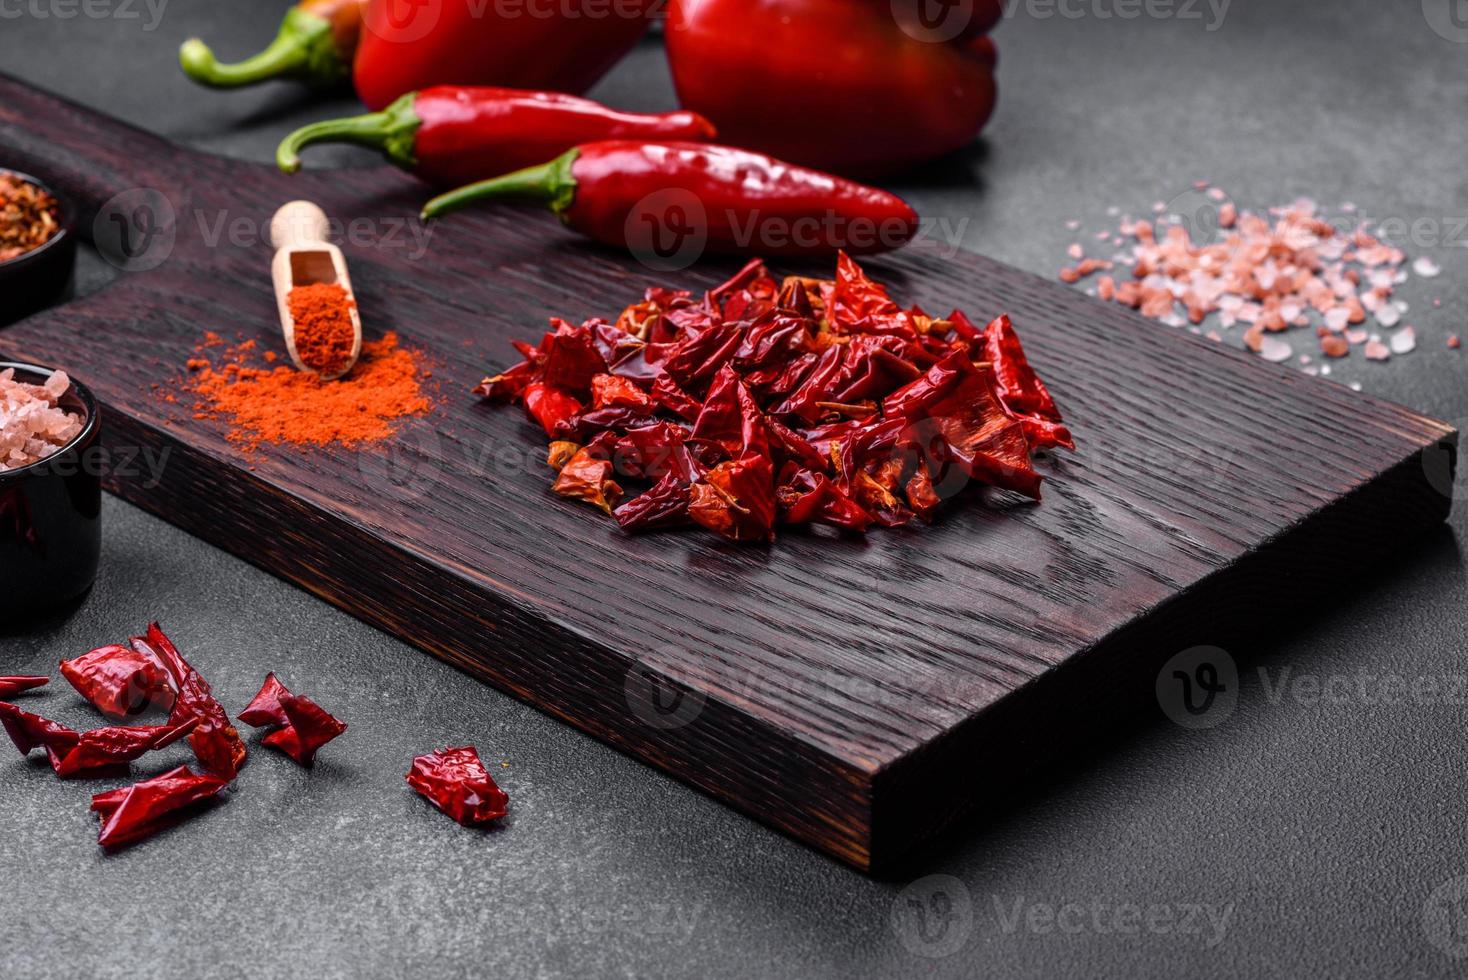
(305, 48)
(393, 131)
(552, 184)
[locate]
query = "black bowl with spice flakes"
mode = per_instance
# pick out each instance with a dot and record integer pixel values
(50, 508)
(37, 245)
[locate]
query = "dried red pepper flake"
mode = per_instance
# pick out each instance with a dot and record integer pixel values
(264, 710)
(103, 748)
(71, 752)
(216, 743)
(455, 781)
(11, 686)
(120, 680)
(766, 402)
(301, 726)
(135, 812)
(30, 732)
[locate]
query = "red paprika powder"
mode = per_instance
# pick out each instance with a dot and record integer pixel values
(282, 405)
(324, 332)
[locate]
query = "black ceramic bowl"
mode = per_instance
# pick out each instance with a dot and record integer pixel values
(51, 515)
(35, 279)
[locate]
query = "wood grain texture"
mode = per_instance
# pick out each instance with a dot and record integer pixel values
(860, 694)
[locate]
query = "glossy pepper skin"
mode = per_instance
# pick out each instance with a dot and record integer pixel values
(726, 200)
(857, 87)
(556, 47)
(452, 134)
(316, 44)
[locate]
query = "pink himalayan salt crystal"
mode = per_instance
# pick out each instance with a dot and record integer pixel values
(1274, 349)
(1426, 268)
(1288, 267)
(1377, 351)
(1404, 341)
(32, 426)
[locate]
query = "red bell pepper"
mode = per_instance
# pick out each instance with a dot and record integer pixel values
(453, 135)
(858, 87)
(564, 46)
(660, 197)
(316, 43)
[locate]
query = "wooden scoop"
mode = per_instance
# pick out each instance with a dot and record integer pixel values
(304, 257)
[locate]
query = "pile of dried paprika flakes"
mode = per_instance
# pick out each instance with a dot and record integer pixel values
(765, 402)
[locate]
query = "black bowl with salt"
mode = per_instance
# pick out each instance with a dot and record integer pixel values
(50, 491)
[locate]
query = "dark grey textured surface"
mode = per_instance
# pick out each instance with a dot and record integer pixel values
(1324, 834)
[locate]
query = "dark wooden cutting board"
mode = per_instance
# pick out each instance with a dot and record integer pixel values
(859, 694)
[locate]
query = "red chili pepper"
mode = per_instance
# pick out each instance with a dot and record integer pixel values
(120, 680)
(807, 401)
(587, 475)
(135, 812)
(301, 726)
(316, 43)
(11, 686)
(104, 748)
(562, 47)
(1020, 389)
(452, 135)
(70, 752)
(455, 781)
(854, 88)
(215, 741)
(30, 731)
(668, 197)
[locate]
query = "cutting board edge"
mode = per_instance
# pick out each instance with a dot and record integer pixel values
(908, 817)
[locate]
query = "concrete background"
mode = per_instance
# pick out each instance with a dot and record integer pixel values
(1301, 836)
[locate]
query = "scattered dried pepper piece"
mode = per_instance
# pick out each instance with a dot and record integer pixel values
(10, 686)
(265, 710)
(455, 781)
(766, 402)
(105, 747)
(135, 812)
(71, 752)
(215, 741)
(30, 731)
(301, 726)
(120, 680)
